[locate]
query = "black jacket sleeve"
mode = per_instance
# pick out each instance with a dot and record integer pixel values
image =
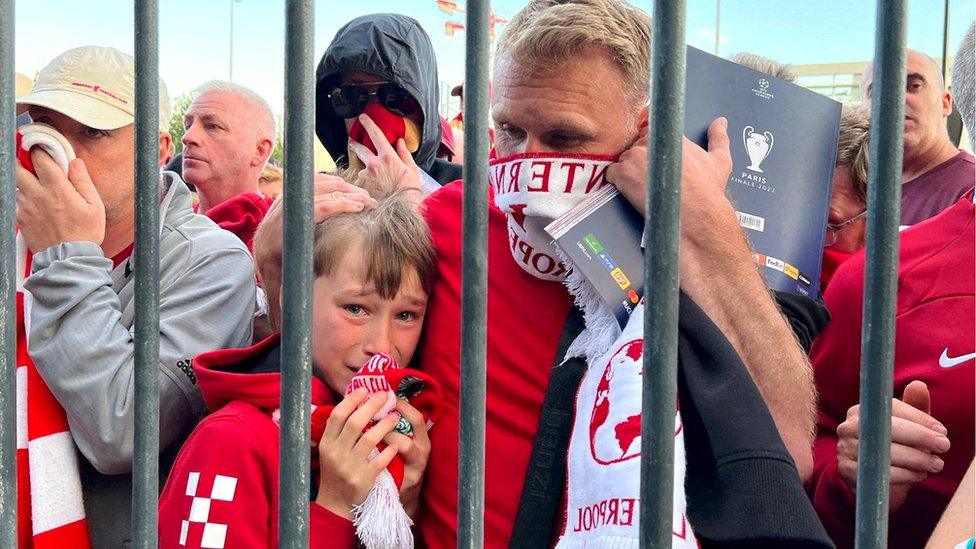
(742, 486)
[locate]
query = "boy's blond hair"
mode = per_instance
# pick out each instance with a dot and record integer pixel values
(547, 33)
(393, 237)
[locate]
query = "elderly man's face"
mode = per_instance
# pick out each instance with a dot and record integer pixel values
(109, 156)
(581, 106)
(927, 103)
(220, 144)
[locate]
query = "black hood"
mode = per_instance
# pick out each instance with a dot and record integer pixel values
(395, 48)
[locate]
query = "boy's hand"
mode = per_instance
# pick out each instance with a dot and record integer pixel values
(346, 472)
(414, 452)
(916, 438)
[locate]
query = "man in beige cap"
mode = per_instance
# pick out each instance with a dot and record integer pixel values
(76, 234)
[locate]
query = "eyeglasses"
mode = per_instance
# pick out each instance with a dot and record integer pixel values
(350, 100)
(830, 234)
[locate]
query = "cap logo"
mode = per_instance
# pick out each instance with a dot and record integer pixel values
(98, 89)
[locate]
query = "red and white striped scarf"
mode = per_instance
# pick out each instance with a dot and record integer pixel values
(50, 508)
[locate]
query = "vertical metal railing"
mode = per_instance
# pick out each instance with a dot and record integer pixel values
(296, 329)
(880, 279)
(474, 292)
(145, 468)
(661, 283)
(661, 273)
(8, 318)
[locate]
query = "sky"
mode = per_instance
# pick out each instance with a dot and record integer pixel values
(195, 35)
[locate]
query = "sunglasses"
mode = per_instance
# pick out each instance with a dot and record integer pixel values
(350, 100)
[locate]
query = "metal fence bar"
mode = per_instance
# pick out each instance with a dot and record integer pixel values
(661, 273)
(296, 330)
(474, 292)
(880, 279)
(8, 318)
(145, 469)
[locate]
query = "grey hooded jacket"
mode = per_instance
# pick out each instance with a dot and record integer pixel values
(395, 48)
(81, 340)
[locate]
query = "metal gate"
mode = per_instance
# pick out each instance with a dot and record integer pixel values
(660, 265)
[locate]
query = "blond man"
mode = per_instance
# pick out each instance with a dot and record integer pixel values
(570, 93)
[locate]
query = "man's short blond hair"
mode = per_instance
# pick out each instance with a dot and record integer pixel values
(393, 238)
(548, 33)
(853, 146)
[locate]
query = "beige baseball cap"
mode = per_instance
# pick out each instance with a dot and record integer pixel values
(93, 85)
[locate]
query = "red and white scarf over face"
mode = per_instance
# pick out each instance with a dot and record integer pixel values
(380, 520)
(603, 487)
(533, 189)
(50, 508)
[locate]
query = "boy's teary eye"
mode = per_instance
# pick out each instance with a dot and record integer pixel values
(354, 309)
(406, 316)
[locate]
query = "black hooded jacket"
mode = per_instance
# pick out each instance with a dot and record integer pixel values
(395, 48)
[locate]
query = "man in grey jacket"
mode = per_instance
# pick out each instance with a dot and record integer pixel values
(80, 228)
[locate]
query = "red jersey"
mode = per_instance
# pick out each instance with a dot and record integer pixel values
(241, 215)
(223, 488)
(526, 317)
(934, 343)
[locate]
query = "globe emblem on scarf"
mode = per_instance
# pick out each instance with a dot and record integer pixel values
(615, 423)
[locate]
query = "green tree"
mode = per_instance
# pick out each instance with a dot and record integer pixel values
(176, 129)
(278, 154)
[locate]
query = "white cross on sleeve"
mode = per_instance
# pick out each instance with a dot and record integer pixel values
(214, 535)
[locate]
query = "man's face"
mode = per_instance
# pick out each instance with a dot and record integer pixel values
(352, 322)
(221, 143)
(362, 78)
(927, 103)
(370, 82)
(844, 205)
(582, 106)
(109, 156)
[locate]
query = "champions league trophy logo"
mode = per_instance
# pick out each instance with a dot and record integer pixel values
(757, 147)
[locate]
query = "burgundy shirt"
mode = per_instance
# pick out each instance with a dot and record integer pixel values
(937, 189)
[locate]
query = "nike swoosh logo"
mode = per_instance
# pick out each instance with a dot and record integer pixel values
(947, 362)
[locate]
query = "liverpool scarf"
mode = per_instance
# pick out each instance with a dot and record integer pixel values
(50, 508)
(603, 485)
(380, 520)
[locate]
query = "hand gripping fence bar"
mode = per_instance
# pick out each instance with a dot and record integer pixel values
(296, 340)
(660, 368)
(881, 275)
(474, 290)
(8, 326)
(145, 468)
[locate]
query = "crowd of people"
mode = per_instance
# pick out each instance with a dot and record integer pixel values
(767, 416)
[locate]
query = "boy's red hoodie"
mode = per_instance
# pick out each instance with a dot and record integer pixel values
(223, 489)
